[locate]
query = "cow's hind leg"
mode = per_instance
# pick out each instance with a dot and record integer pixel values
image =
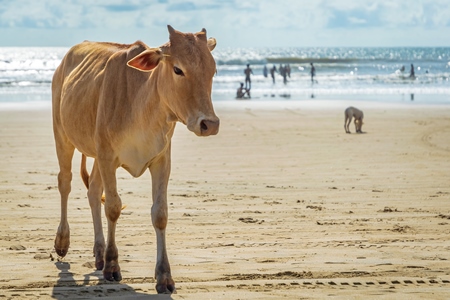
(113, 206)
(94, 195)
(64, 151)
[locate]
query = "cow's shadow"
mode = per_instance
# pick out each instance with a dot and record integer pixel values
(68, 288)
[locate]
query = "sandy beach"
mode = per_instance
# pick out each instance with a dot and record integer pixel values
(281, 204)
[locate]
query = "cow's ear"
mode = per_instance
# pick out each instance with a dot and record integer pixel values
(146, 61)
(211, 44)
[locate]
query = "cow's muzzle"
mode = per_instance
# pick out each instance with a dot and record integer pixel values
(209, 127)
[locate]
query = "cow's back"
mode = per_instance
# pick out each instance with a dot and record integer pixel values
(77, 87)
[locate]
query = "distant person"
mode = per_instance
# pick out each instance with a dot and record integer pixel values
(402, 69)
(272, 73)
(281, 70)
(288, 70)
(313, 72)
(265, 71)
(242, 91)
(412, 75)
(284, 73)
(248, 81)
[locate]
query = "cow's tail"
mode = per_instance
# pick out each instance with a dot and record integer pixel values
(85, 176)
(84, 173)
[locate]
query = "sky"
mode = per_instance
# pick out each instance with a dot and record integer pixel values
(234, 23)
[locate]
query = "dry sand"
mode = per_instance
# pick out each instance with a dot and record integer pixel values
(282, 204)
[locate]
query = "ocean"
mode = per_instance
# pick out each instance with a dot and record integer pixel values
(373, 74)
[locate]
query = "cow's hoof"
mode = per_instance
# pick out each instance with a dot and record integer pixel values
(62, 245)
(167, 287)
(62, 240)
(99, 264)
(163, 289)
(61, 252)
(112, 276)
(99, 249)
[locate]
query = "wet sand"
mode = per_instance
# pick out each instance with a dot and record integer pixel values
(281, 204)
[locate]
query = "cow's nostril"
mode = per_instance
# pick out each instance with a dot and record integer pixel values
(209, 127)
(203, 125)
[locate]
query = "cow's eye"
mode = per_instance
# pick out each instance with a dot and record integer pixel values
(178, 71)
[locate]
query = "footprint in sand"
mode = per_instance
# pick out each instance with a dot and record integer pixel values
(43, 256)
(17, 247)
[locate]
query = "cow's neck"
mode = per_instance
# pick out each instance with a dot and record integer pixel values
(152, 111)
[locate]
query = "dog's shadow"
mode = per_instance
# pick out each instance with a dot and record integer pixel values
(68, 288)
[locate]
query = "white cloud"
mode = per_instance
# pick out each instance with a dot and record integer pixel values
(354, 20)
(244, 22)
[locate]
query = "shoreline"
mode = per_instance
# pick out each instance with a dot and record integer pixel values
(266, 103)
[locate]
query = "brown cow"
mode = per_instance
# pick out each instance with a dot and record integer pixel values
(119, 104)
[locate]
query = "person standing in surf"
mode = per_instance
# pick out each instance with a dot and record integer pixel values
(248, 81)
(313, 73)
(412, 75)
(272, 73)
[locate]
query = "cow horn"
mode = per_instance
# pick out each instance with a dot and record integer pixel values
(171, 30)
(202, 34)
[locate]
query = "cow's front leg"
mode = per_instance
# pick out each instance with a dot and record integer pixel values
(160, 171)
(113, 205)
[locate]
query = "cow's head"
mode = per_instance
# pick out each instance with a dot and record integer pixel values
(184, 78)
